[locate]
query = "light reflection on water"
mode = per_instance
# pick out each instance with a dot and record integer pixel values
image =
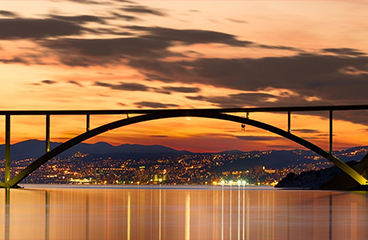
(236, 213)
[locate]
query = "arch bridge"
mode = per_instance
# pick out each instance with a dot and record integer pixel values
(142, 115)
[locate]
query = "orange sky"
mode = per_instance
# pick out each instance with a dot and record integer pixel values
(186, 54)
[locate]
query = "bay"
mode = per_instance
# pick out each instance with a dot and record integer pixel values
(180, 212)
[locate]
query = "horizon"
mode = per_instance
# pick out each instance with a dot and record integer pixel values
(186, 150)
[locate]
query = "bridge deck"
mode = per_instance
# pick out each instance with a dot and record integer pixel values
(225, 110)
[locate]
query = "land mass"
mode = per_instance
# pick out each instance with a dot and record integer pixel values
(327, 179)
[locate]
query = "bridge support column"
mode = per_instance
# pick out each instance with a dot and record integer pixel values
(331, 131)
(7, 148)
(87, 122)
(47, 133)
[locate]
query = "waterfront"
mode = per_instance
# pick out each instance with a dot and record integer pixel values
(181, 212)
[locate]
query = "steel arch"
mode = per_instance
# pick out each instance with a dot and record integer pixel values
(187, 113)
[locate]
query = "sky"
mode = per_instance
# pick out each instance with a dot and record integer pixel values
(94, 54)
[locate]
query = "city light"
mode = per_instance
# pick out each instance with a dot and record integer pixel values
(193, 169)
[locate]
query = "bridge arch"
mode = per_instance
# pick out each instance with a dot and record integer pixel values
(162, 115)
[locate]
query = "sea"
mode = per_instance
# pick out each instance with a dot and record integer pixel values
(180, 212)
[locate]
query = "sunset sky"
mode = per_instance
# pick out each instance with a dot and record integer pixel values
(186, 54)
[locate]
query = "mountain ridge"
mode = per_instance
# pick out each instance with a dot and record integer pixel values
(34, 148)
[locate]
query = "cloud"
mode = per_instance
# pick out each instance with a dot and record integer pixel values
(237, 100)
(199, 97)
(190, 36)
(278, 47)
(344, 51)
(90, 2)
(101, 51)
(313, 78)
(14, 60)
(143, 10)
(75, 83)
(79, 18)
(145, 48)
(48, 82)
(125, 17)
(159, 136)
(154, 105)
(236, 21)
(141, 87)
(257, 138)
(306, 130)
(29, 28)
(121, 104)
(7, 14)
(182, 89)
(124, 86)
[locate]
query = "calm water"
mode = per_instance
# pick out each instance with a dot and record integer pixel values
(181, 213)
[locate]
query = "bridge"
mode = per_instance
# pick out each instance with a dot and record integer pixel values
(142, 115)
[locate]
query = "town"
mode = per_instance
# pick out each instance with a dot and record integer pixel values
(187, 169)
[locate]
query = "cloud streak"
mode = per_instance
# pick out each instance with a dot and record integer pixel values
(22, 28)
(137, 9)
(145, 104)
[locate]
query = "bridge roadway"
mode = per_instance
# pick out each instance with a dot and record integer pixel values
(147, 115)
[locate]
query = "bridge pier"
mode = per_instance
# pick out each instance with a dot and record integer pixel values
(331, 131)
(47, 132)
(7, 148)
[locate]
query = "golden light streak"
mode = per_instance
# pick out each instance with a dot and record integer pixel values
(128, 217)
(187, 216)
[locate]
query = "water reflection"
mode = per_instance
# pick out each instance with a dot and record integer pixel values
(223, 212)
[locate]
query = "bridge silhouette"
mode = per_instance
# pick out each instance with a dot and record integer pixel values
(147, 115)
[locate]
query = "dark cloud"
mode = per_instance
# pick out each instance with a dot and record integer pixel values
(360, 117)
(75, 83)
(306, 130)
(278, 47)
(140, 87)
(151, 77)
(308, 76)
(124, 86)
(21, 28)
(7, 14)
(140, 51)
(88, 52)
(79, 18)
(90, 2)
(324, 135)
(14, 60)
(159, 136)
(121, 104)
(125, 17)
(306, 79)
(158, 90)
(154, 105)
(144, 10)
(344, 51)
(182, 89)
(258, 138)
(237, 100)
(190, 36)
(201, 98)
(48, 82)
